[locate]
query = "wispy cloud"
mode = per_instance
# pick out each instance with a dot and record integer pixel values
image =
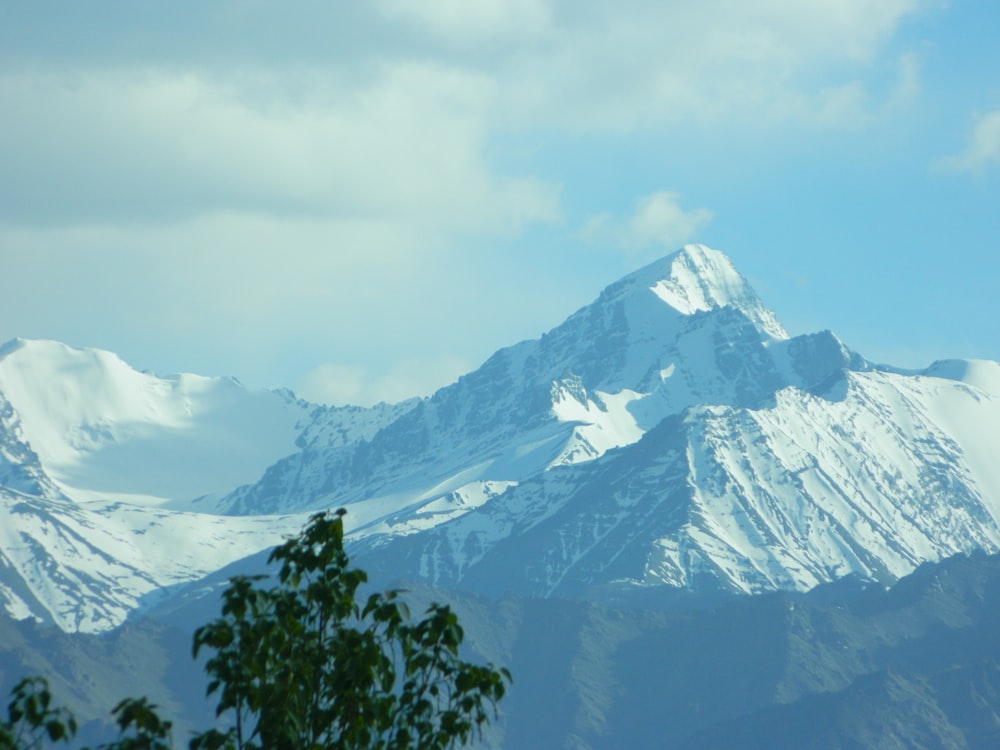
(982, 150)
(339, 384)
(659, 224)
(401, 129)
(148, 146)
(590, 66)
(470, 24)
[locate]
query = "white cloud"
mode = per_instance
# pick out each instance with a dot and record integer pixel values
(406, 134)
(659, 224)
(638, 64)
(660, 220)
(407, 146)
(340, 384)
(336, 384)
(908, 84)
(982, 150)
(470, 22)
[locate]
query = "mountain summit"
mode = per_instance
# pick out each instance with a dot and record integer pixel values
(668, 436)
(699, 279)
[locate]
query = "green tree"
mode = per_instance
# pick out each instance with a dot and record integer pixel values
(303, 664)
(31, 720)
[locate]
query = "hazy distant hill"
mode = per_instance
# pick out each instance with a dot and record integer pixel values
(847, 665)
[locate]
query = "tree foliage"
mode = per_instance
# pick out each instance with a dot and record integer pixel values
(303, 664)
(31, 717)
(31, 721)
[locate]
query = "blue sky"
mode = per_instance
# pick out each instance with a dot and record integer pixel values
(363, 201)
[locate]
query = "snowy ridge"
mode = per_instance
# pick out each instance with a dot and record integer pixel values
(106, 432)
(102, 469)
(862, 480)
(20, 469)
(701, 279)
(87, 568)
(669, 435)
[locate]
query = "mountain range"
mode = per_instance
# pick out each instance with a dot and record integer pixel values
(678, 525)
(669, 437)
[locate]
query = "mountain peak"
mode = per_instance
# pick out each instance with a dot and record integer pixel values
(700, 279)
(697, 278)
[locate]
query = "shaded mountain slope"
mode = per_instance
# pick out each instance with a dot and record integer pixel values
(848, 665)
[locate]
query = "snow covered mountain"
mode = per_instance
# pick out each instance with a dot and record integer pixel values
(105, 473)
(680, 332)
(669, 435)
(103, 431)
(871, 476)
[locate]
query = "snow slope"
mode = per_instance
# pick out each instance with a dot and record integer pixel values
(104, 431)
(864, 479)
(108, 478)
(85, 568)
